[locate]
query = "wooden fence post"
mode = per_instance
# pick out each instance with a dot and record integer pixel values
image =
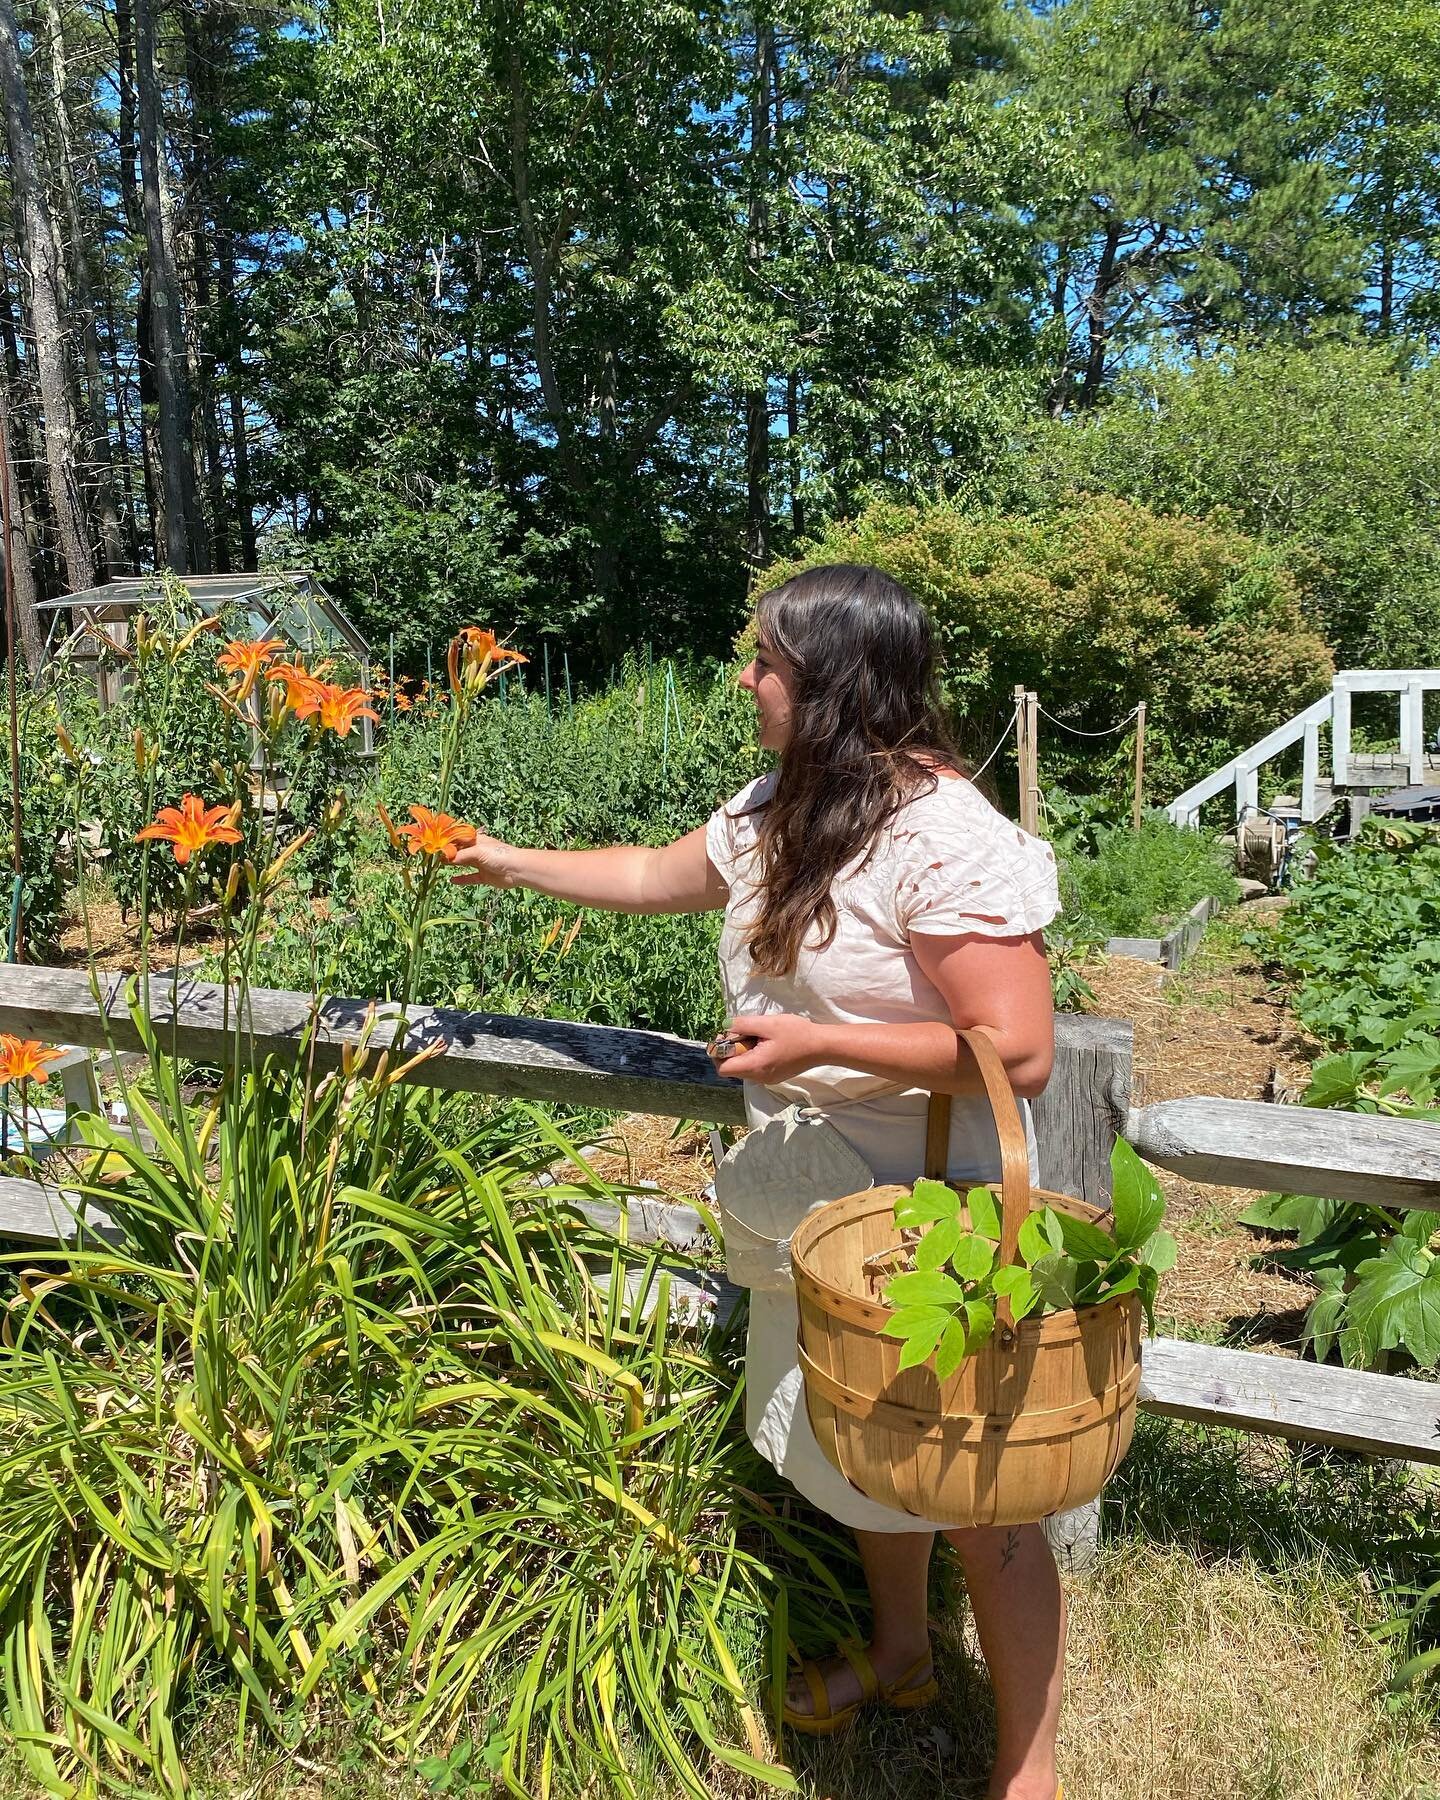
(1138, 804)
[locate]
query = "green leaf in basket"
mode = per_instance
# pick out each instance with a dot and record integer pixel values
(924, 1289)
(1148, 1285)
(984, 1213)
(1055, 1280)
(937, 1246)
(1018, 1285)
(1127, 1279)
(973, 1259)
(1083, 1240)
(979, 1322)
(1040, 1235)
(1159, 1252)
(1139, 1204)
(951, 1353)
(915, 1321)
(928, 1202)
(921, 1344)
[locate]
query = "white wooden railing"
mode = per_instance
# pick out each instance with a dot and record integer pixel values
(1242, 772)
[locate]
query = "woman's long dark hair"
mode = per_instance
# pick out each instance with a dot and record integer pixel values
(867, 731)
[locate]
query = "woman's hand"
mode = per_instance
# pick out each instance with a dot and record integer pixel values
(786, 1045)
(486, 862)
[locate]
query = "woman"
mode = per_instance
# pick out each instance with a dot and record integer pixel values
(874, 902)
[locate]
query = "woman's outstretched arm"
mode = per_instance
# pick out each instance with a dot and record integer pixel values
(633, 878)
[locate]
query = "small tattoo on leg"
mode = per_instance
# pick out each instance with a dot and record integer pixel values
(1012, 1545)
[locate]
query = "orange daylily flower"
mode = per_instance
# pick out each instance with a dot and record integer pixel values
(436, 834)
(23, 1059)
(247, 660)
(192, 826)
(337, 708)
(297, 678)
(473, 653)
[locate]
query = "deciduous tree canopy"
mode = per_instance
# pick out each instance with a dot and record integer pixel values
(591, 311)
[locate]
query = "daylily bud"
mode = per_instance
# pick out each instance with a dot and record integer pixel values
(232, 884)
(66, 743)
(140, 758)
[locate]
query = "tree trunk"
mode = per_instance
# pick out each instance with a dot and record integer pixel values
(15, 550)
(757, 400)
(38, 249)
(122, 432)
(166, 339)
(200, 51)
(235, 384)
(100, 470)
(1097, 312)
(135, 225)
(792, 429)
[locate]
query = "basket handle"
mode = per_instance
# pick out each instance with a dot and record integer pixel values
(988, 1077)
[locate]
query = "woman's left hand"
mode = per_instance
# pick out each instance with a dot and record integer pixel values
(786, 1045)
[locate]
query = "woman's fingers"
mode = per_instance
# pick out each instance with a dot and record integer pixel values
(483, 863)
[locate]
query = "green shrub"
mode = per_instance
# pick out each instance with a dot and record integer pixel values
(1097, 606)
(1118, 882)
(1361, 938)
(1330, 453)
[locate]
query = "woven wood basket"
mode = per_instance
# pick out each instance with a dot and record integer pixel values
(1035, 1422)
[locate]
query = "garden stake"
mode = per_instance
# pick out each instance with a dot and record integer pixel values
(390, 697)
(547, 674)
(1139, 766)
(569, 698)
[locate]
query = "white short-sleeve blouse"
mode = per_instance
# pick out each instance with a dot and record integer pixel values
(948, 864)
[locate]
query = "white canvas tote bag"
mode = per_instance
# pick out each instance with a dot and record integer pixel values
(765, 1185)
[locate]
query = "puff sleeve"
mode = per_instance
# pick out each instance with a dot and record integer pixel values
(730, 830)
(977, 875)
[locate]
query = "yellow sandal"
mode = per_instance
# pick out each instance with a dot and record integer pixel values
(899, 1695)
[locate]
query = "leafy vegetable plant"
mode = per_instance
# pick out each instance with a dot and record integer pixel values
(945, 1306)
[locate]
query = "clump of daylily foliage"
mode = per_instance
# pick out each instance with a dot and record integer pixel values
(347, 1411)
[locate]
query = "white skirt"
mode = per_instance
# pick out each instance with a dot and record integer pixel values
(890, 1135)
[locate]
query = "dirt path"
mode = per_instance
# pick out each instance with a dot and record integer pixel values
(1217, 1027)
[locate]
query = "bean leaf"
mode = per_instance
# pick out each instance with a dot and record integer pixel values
(924, 1288)
(984, 1213)
(929, 1202)
(951, 1353)
(913, 1321)
(973, 1259)
(937, 1246)
(1139, 1204)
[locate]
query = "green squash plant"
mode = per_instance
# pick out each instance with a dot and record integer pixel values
(1361, 941)
(945, 1306)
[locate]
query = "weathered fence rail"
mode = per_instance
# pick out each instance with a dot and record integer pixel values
(1340, 1156)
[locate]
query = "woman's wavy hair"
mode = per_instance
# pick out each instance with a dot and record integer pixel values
(868, 729)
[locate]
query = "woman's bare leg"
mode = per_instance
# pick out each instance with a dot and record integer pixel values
(1019, 1612)
(897, 1568)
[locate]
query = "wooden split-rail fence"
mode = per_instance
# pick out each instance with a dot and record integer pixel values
(1340, 1156)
